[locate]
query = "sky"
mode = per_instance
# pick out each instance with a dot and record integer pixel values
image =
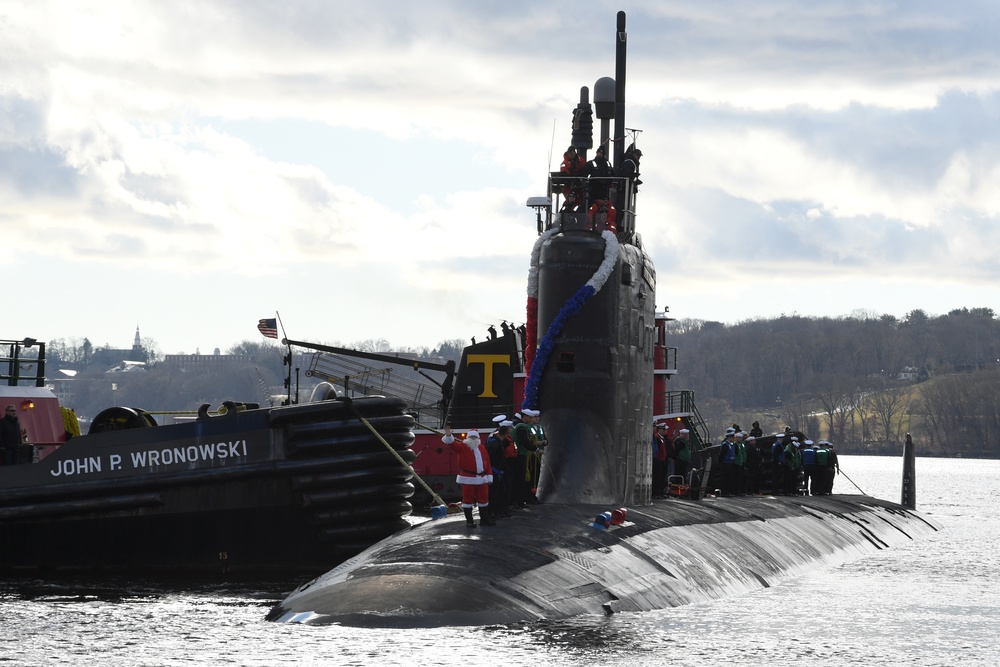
(362, 169)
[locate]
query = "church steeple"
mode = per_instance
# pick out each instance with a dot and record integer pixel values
(136, 344)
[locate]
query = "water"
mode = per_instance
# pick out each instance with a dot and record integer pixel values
(934, 602)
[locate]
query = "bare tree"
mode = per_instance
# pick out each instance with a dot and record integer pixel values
(837, 398)
(888, 407)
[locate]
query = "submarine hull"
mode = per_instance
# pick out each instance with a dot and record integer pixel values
(549, 562)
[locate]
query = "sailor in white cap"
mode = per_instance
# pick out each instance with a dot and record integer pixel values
(520, 490)
(809, 467)
(534, 462)
(497, 446)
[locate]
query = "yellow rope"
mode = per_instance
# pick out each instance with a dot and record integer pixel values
(436, 498)
(428, 428)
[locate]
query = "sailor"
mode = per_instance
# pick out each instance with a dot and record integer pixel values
(659, 460)
(827, 467)
(833, 470)
(535, 457)
(793, 465)
(752, 466)
(496, 423)
(602, 215)
(474, 476)
(788, 463)
(10, 435)
(809, 468)
(682, 454)
(778, 464)
(727, 456)
(630, 166)
(524, 443)
(496, 445)
(755, 430)
(739, 463)
(573, 165)
(600, 172)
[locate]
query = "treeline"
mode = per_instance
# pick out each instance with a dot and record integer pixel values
(256, 374)
(863, 381)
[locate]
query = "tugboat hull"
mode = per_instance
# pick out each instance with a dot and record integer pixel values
(281, 489)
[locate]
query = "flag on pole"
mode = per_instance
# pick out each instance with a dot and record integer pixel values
(268, 327)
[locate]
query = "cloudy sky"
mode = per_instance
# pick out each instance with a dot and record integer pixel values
(363, 168)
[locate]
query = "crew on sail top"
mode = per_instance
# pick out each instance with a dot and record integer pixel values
(602, 215)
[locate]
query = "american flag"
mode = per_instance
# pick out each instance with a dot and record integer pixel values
(268, 327)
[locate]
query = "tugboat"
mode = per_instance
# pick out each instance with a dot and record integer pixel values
(597, 543)
(249, 491)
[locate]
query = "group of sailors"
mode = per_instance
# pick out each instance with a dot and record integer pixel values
(782, 464)
(502, 473)
(749, 463)
(589, 186)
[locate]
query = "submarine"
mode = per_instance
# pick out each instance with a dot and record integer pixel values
(598, 543)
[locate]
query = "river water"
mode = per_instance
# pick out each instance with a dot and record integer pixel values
(933, 602)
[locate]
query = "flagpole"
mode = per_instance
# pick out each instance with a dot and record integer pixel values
(287, 359)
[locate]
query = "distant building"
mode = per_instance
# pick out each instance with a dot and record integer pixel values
(111, 358)
(914, 373)
(205, 360)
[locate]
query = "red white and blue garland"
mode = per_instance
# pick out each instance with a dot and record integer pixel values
(536, 363)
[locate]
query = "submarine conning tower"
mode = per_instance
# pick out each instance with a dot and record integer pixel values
(591, 309)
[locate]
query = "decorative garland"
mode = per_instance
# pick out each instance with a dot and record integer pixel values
(531, 321)
(569, 309)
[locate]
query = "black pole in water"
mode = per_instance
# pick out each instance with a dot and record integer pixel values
(909, 496)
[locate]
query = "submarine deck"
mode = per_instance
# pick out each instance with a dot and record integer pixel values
(550, 562)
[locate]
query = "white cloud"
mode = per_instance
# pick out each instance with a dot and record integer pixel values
(848, 140)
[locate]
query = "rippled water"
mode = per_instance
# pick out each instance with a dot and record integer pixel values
(934, 602)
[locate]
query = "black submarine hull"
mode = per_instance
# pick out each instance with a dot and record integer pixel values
(549, 562)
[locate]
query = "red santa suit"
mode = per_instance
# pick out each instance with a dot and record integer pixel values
(475, 472)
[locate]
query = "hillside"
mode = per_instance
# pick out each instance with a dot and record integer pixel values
(863, 382)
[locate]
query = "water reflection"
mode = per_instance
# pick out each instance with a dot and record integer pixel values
(932, 602)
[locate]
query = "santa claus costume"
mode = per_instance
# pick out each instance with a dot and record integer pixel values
(475, 475)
